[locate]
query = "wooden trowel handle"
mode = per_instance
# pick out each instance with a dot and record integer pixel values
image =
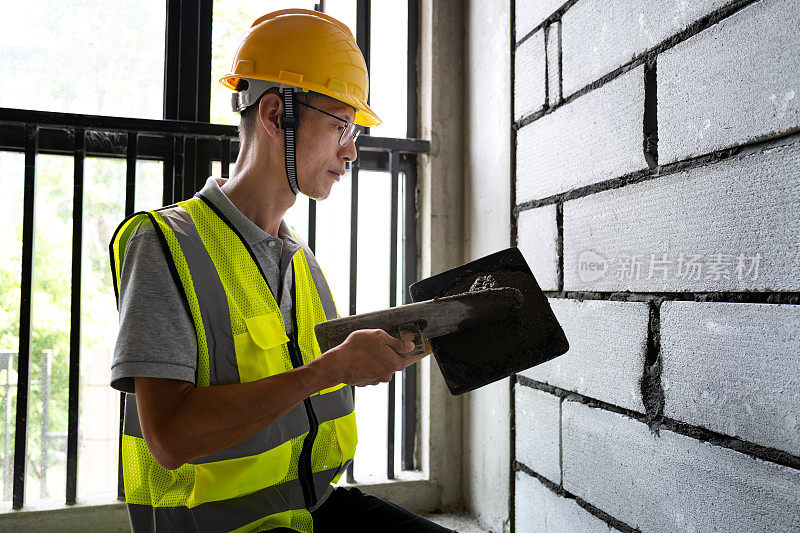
(433, 317)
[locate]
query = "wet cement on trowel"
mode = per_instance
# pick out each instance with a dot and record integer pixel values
(527, 336)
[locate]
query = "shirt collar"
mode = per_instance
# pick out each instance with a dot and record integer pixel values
(250, 231)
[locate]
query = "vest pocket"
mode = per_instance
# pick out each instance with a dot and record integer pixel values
(347, 435)
(259, 350)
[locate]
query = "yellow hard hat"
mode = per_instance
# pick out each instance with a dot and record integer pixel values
(308, 50)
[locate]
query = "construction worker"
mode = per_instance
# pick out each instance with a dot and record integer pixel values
(238, 422)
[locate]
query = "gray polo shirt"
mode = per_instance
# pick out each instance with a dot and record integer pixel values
(156, 333)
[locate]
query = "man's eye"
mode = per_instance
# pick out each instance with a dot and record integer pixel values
(338, 127)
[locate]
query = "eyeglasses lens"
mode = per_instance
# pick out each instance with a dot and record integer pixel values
(350, 133)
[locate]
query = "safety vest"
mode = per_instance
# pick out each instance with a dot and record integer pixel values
(274, 478)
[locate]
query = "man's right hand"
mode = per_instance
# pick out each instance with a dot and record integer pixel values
(367, 357)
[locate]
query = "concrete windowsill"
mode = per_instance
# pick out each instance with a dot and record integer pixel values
(461, 522)
(410, 490)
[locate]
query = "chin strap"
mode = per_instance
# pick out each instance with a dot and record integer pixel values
(290, 127)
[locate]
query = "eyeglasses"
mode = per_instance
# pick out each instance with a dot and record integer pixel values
(350, 132)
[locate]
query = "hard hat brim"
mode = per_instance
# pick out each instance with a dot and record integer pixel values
(365, 116)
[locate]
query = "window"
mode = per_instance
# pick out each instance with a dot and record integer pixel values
(68, 57)
(69, 179)
(83, 56)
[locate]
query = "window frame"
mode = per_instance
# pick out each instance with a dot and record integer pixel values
(191, 145)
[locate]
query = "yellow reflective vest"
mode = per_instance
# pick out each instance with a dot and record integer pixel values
(276, 477)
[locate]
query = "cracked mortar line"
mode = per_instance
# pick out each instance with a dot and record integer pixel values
(561, 441)
(650, 382)
(547, 66)
(650, 119)
(560, 245)
(559, 490)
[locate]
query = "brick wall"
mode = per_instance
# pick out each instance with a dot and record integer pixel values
(656, 197)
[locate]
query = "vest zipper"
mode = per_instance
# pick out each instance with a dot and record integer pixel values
(304, 471)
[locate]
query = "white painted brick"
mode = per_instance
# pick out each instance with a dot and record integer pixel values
(602, 35)
(553, 64)
(670, 482)
(596, 137)
(540, 510)
(607, 343)
(537, 238)
(530, 13)
(529, 76)
(734, 368)
(732, 83)
(748, 204)
(537, 440)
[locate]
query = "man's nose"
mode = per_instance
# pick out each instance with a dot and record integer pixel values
(350, 152)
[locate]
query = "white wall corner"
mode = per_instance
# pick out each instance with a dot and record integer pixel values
(487, 228)
(440, 221)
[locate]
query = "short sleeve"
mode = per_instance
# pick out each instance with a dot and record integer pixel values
(157, 337)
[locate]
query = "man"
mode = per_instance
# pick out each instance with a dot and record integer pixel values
(238, 421)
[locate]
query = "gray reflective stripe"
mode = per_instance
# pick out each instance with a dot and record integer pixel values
(131, 424)
(327, 407)
(211, 297)
(325, 296)
(237, 512)
(322, 483)
(230, 514)
(291, 425)
(146, 519)
(333, 405)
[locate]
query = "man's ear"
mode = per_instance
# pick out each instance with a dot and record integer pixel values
(270, 113)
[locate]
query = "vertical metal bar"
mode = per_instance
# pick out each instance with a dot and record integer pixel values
(188, 42)
(203, 106)
(411, 68)
(130, 174)
(188, 68)
(225, 158)
(353, 237)
(353, 263)
(201, 169)
(168, 169)
(394, 162)
(408, 426)
(312, 225)
(172, 47)
(394, 165)
(44, 387)
(172, 59)
(178, 177)
(409, 409)
(120, 479)
(25, 301)
(390, 430)
(363, 31)
(363, 28)
(75, 316)
(130, 197)
(189, 171)
(7, 470)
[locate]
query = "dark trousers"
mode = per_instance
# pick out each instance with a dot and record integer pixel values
(353, 511)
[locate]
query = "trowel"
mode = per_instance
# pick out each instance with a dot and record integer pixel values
(485, 320)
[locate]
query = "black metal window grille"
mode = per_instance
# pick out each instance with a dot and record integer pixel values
(186, 144)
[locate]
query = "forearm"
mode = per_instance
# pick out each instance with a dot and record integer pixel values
(194, 422)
